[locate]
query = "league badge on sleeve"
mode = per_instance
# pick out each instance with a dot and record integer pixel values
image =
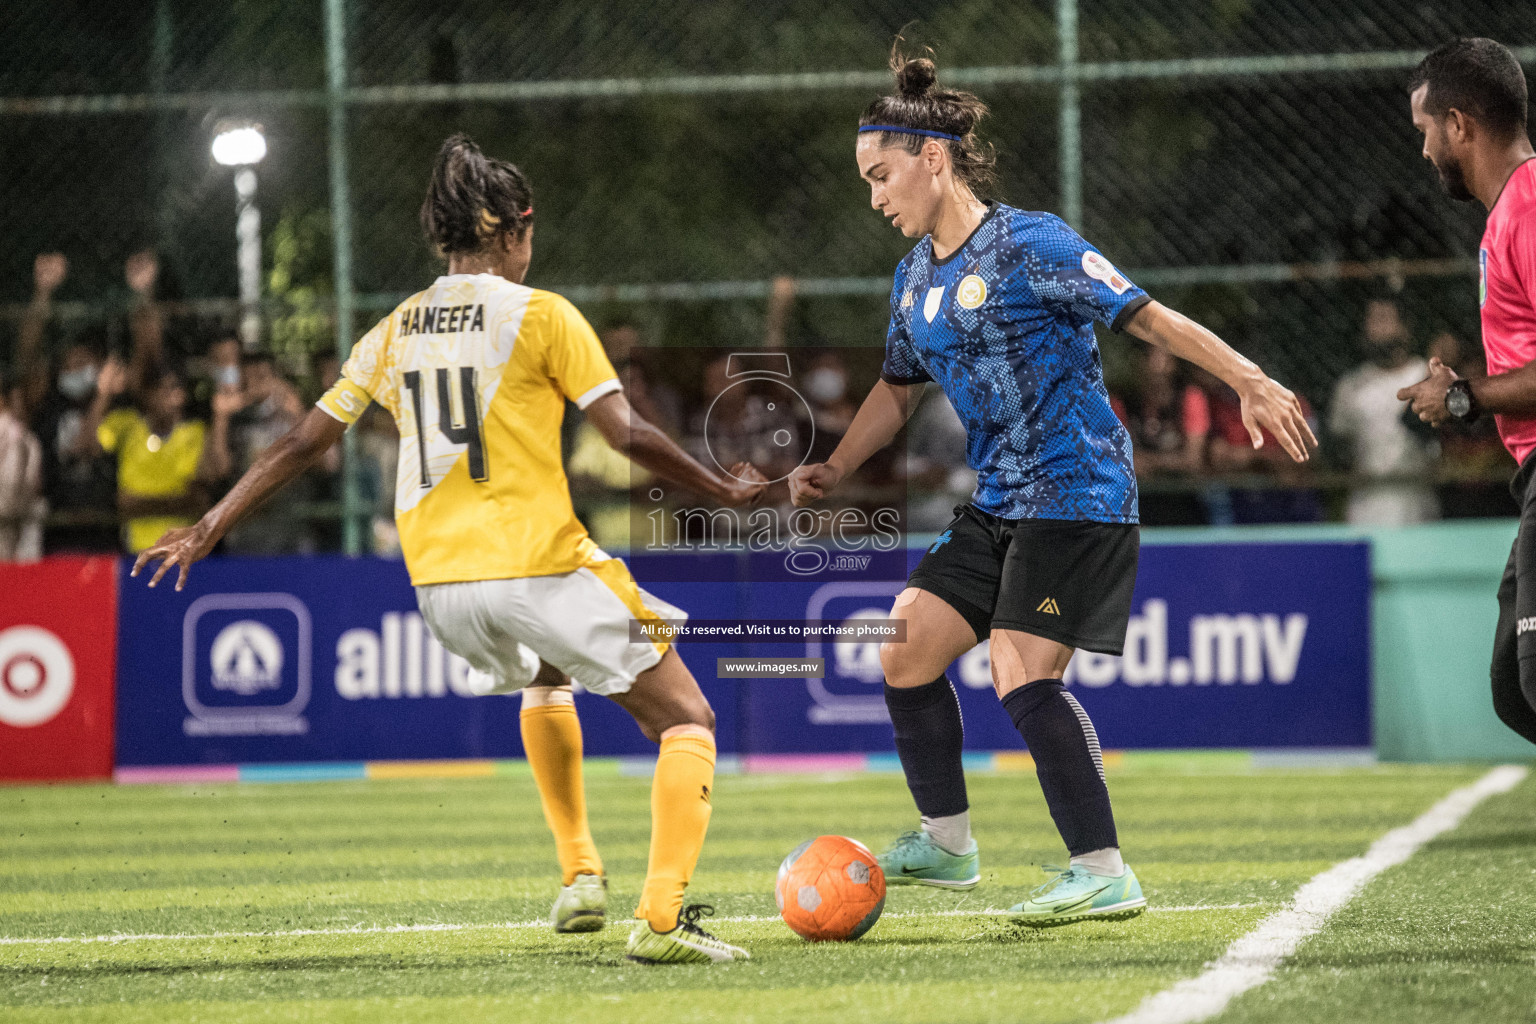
(1100, 269)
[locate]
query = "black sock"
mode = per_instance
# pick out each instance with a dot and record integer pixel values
(929, 739)
(1066, 751)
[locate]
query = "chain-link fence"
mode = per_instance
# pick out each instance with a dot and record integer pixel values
(1250, 163)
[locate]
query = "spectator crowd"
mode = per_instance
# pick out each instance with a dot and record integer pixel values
(109, 437)
(1380, 465)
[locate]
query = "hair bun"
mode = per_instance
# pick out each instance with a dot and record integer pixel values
(915, 77)
(461, 147)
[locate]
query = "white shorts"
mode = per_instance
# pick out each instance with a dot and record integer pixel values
(577, 621)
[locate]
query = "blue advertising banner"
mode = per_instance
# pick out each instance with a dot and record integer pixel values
(1229, 645)
(317, 659)
(320, 659)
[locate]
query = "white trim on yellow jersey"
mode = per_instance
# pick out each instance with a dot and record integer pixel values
(476, 370)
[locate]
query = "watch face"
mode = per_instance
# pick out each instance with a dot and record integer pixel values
(1458, 402)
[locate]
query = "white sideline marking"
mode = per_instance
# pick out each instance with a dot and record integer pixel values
(396, 929)
(1251, 960)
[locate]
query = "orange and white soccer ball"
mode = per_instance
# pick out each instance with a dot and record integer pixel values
(830, 889)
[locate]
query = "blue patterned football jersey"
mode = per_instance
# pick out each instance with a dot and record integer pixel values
(1004, 325)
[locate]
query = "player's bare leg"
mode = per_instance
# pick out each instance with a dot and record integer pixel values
(925, 714)
(936, 635)
(1020, 658)
(671, 710)
(552, 741)
(1026, 673)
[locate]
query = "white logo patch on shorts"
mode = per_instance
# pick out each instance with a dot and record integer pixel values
(1100, 269)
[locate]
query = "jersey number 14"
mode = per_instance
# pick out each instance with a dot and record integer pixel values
(468, 433)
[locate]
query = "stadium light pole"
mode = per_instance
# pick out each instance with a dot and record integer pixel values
(341, 253)
(1070, 115)
(242, 148)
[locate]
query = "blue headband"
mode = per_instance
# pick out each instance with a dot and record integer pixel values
(908, 131)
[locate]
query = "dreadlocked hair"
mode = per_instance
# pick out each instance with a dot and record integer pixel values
(473, 197)
(919, 103)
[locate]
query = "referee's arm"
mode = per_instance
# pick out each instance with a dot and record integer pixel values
(1511, 392)
(1265, 404)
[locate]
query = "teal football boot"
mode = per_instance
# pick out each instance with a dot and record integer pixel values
(915, 859)
(1077, 894)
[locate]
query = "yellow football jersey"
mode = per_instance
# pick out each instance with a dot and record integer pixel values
(151, 466)
(476, 370)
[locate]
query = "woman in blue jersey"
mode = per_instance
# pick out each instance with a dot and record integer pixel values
(997, 305)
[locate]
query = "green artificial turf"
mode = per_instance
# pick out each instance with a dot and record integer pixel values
(1449, 936)
(230, 873)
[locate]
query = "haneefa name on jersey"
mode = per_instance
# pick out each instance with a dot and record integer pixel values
(442, 319)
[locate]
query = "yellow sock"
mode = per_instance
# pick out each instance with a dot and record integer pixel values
(552, 740)
(680, 794)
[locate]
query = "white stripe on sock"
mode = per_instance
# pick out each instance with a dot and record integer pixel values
(1088, 733)
(956, 692)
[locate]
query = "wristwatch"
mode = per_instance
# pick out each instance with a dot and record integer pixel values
(1460, 403)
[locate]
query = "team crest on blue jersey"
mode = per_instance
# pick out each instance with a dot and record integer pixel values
(972, 292)
(1482, 278)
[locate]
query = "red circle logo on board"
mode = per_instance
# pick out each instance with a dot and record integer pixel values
(37, 676)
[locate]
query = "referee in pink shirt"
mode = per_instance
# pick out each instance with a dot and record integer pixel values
(1469, 102)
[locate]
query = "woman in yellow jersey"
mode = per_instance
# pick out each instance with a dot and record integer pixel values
(164, 462)
(476, 370)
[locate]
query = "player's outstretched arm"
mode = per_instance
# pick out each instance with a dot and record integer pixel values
(287, 457)
(1265, 404)
(632, 435)
(885, 411)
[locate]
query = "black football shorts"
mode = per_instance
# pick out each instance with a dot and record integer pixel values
(1066, 581)
(1514, 638)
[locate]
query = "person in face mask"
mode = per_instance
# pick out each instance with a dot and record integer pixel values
(224, 364)
(1366, 415)
(80, 481)
(825, 385)
(77, 382)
